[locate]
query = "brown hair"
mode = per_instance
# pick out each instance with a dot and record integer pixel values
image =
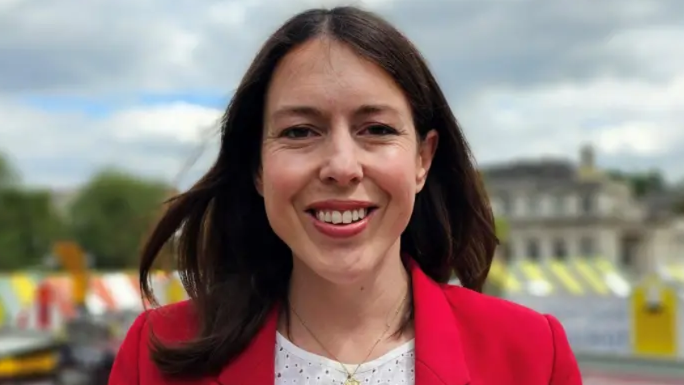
(233, 265)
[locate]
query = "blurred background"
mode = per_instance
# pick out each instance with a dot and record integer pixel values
(574, 112)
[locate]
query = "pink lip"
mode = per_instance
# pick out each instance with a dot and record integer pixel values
(341, 231)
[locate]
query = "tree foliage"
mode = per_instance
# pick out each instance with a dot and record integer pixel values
(501, 227)
(679, 204)
(29, 223)
(8, 175)
(112, 214)
(642, 183)
(114, 211)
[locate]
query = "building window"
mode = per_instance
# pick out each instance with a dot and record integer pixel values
(679, 240)
(587, 246)
(533, 249)
(495, 206)
(587, 203)
(533, 203)
(628, 252)
(506, 251)
(558, 204)
(505, 204)
(560, 249)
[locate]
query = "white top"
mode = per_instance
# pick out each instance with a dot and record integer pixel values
(294, 365)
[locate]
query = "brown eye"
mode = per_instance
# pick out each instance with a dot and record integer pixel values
(379, 130)
(298, 133)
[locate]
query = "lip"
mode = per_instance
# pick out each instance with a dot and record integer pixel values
(342, 231)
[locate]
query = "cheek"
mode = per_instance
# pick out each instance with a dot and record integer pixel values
(396, 175)
(281, 178)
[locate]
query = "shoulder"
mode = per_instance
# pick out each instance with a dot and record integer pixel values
(171, 323)
(472, 307)
(494, 327)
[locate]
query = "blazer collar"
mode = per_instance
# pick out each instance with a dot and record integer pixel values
(439, 357)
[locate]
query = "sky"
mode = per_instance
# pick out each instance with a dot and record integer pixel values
(140, 85)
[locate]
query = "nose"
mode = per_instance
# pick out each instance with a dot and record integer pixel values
(341, 165)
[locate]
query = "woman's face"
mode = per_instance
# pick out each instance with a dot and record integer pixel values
(341, 161)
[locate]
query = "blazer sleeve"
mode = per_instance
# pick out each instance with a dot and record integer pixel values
(125, 370)
(565, 370)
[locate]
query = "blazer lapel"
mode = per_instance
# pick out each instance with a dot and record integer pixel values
(439, 357)
(256, 365)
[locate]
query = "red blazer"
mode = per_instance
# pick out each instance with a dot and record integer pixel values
(462, 337)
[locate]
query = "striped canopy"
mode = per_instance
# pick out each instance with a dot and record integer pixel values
(575, 277)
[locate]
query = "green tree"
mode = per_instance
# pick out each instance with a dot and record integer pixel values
(678, 205)
(29, 222)
(112, 214)
(8, 175)
(642, 183)
(501, 228)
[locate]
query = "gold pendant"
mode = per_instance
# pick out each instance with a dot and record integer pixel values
(352, 381)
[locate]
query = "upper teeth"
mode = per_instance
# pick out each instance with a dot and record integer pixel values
(336, 217)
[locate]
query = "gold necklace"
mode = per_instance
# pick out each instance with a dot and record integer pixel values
(350, 375)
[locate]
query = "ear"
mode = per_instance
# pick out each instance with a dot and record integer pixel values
(258, 183)
(426, 152)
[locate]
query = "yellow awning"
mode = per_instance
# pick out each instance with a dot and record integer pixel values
(676, 271)
(502, 276)
(574, 277)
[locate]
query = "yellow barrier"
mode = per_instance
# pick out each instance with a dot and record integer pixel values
(35, 365)
(24, 287)
(654, 317)
(175, 292)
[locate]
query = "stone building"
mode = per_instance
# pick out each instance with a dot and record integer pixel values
(573, 227)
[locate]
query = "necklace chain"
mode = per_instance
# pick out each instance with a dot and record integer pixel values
(350, 375)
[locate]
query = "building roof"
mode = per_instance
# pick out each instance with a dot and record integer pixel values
(543, 169)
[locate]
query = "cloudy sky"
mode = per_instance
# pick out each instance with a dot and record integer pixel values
(139, 85)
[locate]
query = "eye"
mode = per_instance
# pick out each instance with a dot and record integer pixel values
(298, 133)
(378, 130)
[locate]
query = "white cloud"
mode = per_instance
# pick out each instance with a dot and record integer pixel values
(180, 121)
(633, 118)
(62, 149)
(654, 47)
(633, 137)
(523, 83)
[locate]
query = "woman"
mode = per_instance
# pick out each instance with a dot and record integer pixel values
(316, 249)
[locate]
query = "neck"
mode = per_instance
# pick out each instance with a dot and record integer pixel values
(365, 306)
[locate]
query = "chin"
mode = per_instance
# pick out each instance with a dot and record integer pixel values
(343, 267)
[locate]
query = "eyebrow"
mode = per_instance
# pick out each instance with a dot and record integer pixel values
(313, 112)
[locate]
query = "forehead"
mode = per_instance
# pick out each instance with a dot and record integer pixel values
(330, 75)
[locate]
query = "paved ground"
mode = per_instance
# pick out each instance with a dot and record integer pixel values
(603, 380)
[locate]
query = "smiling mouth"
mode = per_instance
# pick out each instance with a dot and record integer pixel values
(341, 217)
